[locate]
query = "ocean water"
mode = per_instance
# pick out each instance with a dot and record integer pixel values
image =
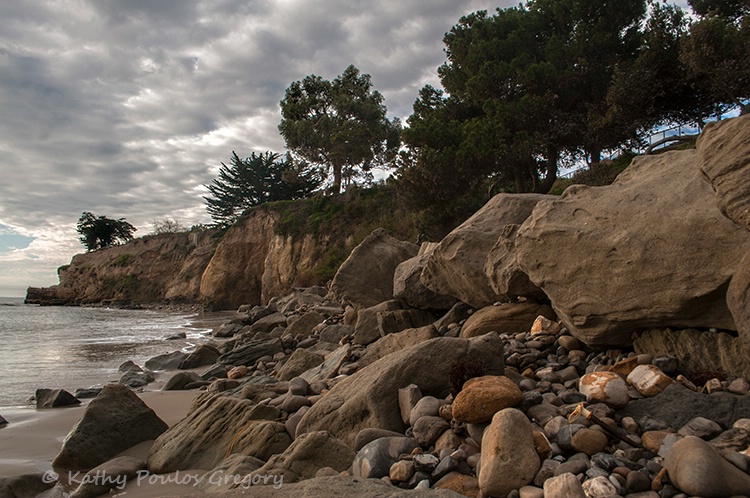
(73, 347)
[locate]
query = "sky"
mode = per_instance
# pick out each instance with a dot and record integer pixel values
(126, 108)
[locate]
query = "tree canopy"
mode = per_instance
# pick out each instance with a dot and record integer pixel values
(100, 232)
(339, 125)
(259, 178)
(549, 82)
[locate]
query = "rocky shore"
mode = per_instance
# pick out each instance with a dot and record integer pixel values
(591, 345)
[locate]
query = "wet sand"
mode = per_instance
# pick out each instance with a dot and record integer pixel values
(32, 439)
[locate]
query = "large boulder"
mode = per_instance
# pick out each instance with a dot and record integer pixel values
(369, 398)
(694, 467)
(724, 155)
(114, 421)
(55, 398)
(696, 350)
(366, 277)
(738, 300)
(250, 352)
(24, 485)
(650, 250)
(204, 355)
(509, 460)
(215, 427)
(457, 265)
(307, 454)
(510, 318)
(408, 286)
(397, 342)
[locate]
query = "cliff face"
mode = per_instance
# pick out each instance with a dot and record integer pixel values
(254, 263)
(153, 269)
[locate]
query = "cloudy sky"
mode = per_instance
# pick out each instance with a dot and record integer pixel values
(125, 108)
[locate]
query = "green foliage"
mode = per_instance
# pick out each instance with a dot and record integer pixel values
(339, 125)
(597, 174)
(255, 180)
(715, 55)
(525, 89)
(100, 232)
(341, 222)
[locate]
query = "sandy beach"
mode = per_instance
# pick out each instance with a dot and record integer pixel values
(32, 439)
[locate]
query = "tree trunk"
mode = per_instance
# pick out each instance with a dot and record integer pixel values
(549, 180)
(595, 155)
(336, 187)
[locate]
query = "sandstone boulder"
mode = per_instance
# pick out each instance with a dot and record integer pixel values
(366, 329)
(118, 472)
(250, 352)
(366, 277)
(309, 453)
(508, 459)
(114, 421)
(375, 458)
(738, 300)
(408, 286)
(24, 485)
(649, 259)
(457, 265)
(510, 318)
(694, 467)
(300, 361)
(396, 342)
(696, 350)
(369, 398)
(724, 155)
(215, 426)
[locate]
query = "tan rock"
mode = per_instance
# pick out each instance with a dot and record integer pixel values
(589, 441)
(696, 468)
(624, 367)
(308, 453)
(605, 387)
(201, 439)
(652, 440)
(460, 483)
(635, 239)
(542, 446)
(508, 459)
(482, 397)
(565, 485)
(366, 277)
(392, 343)
(402, 471)
(237, 372)
(457, 265)
(408, 287)
(511, 318)
(649, 380)
(368, 397)
(696, 350)
(543, 325)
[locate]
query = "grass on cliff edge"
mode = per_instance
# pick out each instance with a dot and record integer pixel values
(341, 222)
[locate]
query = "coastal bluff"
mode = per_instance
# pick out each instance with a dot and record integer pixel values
(250, 263)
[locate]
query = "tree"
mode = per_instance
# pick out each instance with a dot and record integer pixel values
(340, 125)
(167, 225)
(100, 232)
(716, 51)
(254, 180)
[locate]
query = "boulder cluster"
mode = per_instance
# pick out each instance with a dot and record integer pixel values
(590, 345)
